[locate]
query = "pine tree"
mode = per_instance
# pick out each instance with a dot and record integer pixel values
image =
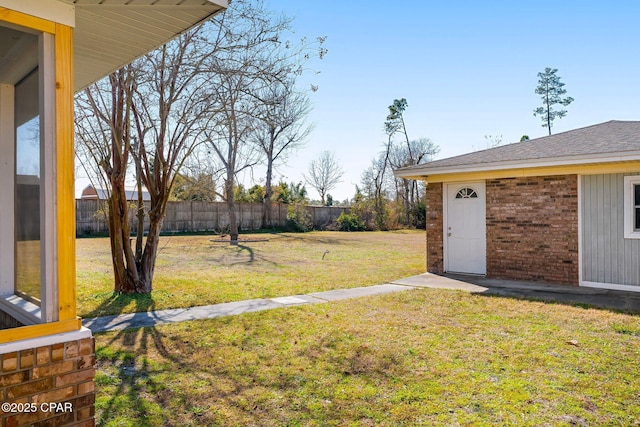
(550, 89)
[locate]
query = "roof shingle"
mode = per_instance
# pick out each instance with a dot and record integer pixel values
(601, 139)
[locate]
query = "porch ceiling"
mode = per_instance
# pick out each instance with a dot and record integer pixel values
(111, 33)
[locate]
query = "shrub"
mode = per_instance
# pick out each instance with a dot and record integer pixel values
(349, 222)
(298, 218)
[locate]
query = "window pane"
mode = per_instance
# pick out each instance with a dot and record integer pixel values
(636, 225)
(27, 223)
(636, 195)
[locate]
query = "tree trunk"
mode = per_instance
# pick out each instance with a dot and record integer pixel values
(266, 202)
(124, 265)
(231, 210)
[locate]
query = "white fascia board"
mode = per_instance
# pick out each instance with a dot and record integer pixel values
(421, 173)
(51, 10)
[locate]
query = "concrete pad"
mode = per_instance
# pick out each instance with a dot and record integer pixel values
(161, 317)
(428, 280)
(619, 300)
(340, 294)
(290, 300)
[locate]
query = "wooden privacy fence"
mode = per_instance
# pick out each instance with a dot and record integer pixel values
(201, 216)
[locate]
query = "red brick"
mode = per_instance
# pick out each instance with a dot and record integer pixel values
(14, 378)
(75, 377)
(54, 369)
(30, 388)
(532, 229)
(27, 358)
(84, 401)
(86, 387)
(9, 362)
(57, 352)
(57, 420)
(86, 423)
(43, 355)
(87, 346)
(58, 395)
(71, 350)
(85, 362)
(85, 413)
(435, 254)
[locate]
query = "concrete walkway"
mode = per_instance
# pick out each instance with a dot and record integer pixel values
(629, 301)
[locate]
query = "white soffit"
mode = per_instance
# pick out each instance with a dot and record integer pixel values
(112, 33)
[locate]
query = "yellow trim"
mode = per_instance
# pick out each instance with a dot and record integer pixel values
(66, 216)
(40, 330)
(592, 169)
(28, 21)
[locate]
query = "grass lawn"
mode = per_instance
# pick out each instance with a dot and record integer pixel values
(421, 357)
(192, 270)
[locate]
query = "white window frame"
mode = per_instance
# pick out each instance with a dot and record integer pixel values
(20, 309)
(629, 207)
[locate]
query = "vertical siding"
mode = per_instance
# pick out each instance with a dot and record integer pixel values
(607, 257)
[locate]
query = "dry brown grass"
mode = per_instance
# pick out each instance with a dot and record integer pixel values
(192, 270)
(421, 357)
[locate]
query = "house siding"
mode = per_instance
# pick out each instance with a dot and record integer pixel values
(434, 216)
(607, 257)
(532, 229)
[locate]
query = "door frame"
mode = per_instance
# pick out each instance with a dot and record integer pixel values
(445, 220)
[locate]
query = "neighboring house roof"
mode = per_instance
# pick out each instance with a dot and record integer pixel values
(613, 141)
(92, 193)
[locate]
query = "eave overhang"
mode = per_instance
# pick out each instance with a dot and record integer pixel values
(109, 34)
(426, 173)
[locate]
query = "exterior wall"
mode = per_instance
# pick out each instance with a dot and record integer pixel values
(435, 257)
(607, 257)
(532, 229)
(34, 378)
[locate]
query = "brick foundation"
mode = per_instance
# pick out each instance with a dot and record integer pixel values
(532, 229)
(435, 258)
(38, 376)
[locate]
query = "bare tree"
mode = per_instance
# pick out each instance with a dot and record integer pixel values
(147, 114)
(280, 129)
(324, 174)
(252, 79)
(243, 42)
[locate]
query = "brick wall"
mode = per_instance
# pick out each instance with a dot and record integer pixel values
(435, 257)
(37, 377)
(532, 229)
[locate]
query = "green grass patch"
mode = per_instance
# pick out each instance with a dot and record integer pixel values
(421, 357)
(193, 270)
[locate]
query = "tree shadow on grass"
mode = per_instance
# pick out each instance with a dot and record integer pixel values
(140, 365)
(117, 302)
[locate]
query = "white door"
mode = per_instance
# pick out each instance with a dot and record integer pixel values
(465, 228)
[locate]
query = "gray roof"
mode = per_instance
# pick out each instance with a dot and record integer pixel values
(610, 141)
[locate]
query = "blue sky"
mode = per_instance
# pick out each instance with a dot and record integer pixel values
(467, 69)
